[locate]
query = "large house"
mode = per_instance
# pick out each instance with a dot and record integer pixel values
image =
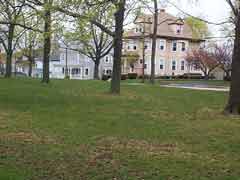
(174, 40)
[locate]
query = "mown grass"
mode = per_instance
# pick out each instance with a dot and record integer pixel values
(77, 130)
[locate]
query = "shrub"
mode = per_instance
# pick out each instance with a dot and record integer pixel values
(124, 76)
(67, 77)
(145, 76)
(132, 75)
(106, 77)
(227, 78)
(193, 76)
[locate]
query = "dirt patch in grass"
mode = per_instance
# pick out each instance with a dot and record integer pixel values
(3, 119)
(116, 144)
(26, 137)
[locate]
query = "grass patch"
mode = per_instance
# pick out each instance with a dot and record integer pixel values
(77, 130)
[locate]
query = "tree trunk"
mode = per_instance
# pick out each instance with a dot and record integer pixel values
(154, 42)
(9, 64)
(30, 66)
(9, 52)
(47, 42)
(143, 52)
(116, 77)
(96, 68)
(228, 76)
(233, 106)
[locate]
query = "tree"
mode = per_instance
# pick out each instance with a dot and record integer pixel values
(28, 47)
(118, 44)
(92, 41)
(199, 28)
(47, 39)
(233, 106)
(10, 33)
(154, 41)
(223, 55)
(202, 59)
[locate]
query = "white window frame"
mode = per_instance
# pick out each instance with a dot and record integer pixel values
(175, 65)
(181, 46)
(164, 44)
(183, 65)
(86, 68)
(107, 59)
(176, 45)
(162, 62)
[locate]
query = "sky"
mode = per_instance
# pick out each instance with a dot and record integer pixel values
(212, 10)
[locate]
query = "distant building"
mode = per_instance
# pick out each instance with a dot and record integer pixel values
(174, 40)
(73, 64)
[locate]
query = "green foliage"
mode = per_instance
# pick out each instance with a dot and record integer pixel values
(199, 28)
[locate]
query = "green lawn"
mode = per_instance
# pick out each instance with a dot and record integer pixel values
(75, 130)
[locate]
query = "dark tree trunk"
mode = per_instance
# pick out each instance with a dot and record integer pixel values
(206, 77)
(30, 66)
(9, 52)
(233, 106)
(154, 42)
(143, 52)
(30, 61)
(47, 43)
(8, 73)
(96, 68)
(116, 77)
(228, 76)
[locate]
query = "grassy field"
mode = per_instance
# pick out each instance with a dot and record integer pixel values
(75, 130)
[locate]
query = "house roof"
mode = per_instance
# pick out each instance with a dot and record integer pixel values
(166, 28)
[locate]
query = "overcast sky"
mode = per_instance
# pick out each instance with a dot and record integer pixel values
(212, 10)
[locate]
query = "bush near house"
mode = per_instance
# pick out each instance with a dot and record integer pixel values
(106, 77)
(145, 77)
(124, 76)
(132, 75)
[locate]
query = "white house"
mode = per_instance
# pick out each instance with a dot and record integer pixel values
(72, 63)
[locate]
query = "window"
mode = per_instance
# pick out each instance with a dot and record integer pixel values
(162, 45)
(183, 46)
(145, 66)
(179, 29)
(128, 47)
(174, 46)
(107, 59)
(146, 47)
(174, 65)
(182, 65)
(86, 72)
(107, 71)
(76, 71)
(135, 47)
(161, 64)
(136, 30)
(141, 61)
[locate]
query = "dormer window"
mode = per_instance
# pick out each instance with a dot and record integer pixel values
(179, 29)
